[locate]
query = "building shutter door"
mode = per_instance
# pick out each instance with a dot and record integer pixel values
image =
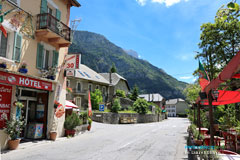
(17, 47)
(55, 59)
(44, 6)
(40, 56)
(58, 23)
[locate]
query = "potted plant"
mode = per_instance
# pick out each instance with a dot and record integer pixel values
(198, 138)
(14, 128)
(3, 65)
(89, 124)
(70, 123)
(23, 68)
(51, 74)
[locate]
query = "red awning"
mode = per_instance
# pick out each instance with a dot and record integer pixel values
(70, 105)
(225, 97)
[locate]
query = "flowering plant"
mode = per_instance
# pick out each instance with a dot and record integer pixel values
(69, 90)
(24, 64)
(18, 104)
(14, 127)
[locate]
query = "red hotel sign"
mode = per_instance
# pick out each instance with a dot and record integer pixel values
(19, 80)
(5, 103)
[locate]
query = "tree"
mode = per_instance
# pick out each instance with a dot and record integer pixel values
(192, 92)
(140, 106)
(220, 40)
(120, 93)
(96, 98)
(116, 105)
(113, 69)
(134, 94)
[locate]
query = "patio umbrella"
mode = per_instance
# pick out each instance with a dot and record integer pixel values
(70, 105)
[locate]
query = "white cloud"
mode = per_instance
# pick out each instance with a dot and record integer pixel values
(185, 57)
(186, 77)
(142, 2)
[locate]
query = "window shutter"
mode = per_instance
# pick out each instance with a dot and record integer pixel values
(17, 47)
(43, 6)
(55, 59)
(58, 14)
(40, 56)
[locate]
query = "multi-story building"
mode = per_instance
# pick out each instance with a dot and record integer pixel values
(35, 32)
(176, 106)
(84, 80)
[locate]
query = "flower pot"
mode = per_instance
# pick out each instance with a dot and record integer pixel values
(23, 70)
(70, 132)
(53, 135)
(13, 144)
(89, 127)
(2, 65)
(198, 142)
(51, 77)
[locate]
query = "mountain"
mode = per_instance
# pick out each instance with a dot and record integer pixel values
(132, 53)
(99, 54)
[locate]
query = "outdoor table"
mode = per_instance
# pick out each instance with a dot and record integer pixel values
(203, 131)
(217, 140)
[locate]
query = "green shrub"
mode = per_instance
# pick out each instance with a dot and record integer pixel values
(71, 121)
(120, 93)
(141, 106)
(116, 105)
(135, 93)
(83, 116)
(96, 98)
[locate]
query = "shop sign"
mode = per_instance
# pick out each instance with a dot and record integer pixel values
(70, 73)
(5, 103)
(73, 61)
(19, 80)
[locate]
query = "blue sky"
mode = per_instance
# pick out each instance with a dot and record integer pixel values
(163, 32)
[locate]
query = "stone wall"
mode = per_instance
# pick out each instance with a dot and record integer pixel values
(114, 118)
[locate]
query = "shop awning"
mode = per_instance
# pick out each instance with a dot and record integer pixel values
(70, 105)
(225, 97)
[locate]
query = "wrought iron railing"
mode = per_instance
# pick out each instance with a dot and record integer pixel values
(47, 21)
(76, 91)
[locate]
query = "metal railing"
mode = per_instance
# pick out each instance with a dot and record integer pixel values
(47, 21)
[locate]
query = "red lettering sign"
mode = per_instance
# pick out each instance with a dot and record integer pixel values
(5, 103)
(19, 80)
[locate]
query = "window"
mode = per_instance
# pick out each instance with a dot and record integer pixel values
(78, 101)
(46, 57)
(10, 46)
(90, 87)
(97, 86)
(79, 87)
(104, 90)
(68, 83)
(3, 45)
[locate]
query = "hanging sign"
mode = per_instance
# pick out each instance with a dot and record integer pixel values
(5, 103)
(19, 80)
(73, 61)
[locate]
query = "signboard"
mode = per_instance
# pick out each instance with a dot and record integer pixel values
(5, 103)
(101, 107)
(73, 61)
(70, 73)
(19, 80)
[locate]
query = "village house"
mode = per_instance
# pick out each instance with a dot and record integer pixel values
(153, 97)
(175, 107)
(34, 40)
(116, 82)
(84, 80)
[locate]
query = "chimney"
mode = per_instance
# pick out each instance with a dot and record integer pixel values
(110, 77)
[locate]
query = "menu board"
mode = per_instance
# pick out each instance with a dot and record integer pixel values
(5, 103)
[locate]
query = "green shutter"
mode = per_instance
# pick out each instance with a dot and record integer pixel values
(44, 7)
(58, 14)
(40, 56)
(55, 59)
(17, 47)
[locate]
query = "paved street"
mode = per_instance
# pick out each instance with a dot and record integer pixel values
(153, 141)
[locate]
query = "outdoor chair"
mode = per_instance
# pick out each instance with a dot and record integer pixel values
(229, 140)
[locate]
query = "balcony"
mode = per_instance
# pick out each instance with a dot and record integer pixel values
(52, 31)
(77, 92)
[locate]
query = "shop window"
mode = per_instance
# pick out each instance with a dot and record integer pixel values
(26, 93)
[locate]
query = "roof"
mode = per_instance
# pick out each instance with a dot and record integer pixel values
(153, 97)
(88, 74)
(115, 78)
(75, 3)
(174, 101)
